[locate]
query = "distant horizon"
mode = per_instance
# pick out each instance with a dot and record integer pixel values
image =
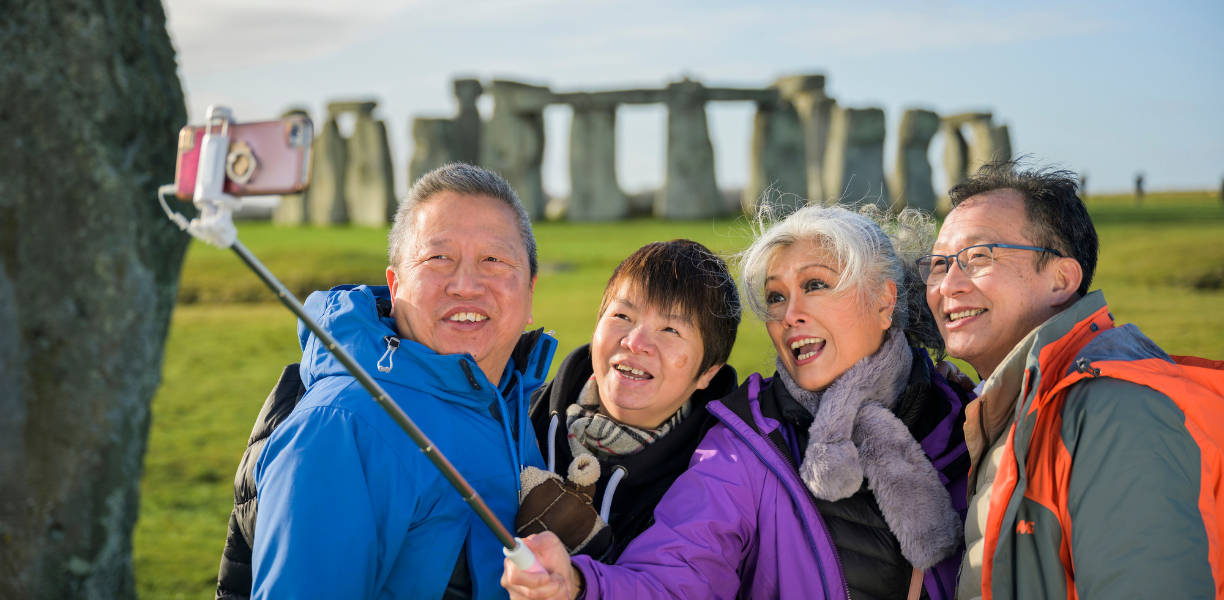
(1105, 89)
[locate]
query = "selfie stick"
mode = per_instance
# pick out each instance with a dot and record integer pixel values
(215, 226)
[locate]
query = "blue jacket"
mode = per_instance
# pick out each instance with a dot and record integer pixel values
(348, 506)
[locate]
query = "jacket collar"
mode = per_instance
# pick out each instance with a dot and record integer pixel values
(987, 417)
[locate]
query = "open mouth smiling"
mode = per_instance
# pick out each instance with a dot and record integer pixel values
(803, 349)
(467, 317)
(631, 373)
(965, 314)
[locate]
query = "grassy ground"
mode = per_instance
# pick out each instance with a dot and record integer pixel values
(1161, 267)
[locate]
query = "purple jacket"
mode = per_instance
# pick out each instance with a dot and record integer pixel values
(740, 522)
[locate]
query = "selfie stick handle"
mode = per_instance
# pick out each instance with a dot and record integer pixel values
(418, 437)
(522, 557)
(215, 226)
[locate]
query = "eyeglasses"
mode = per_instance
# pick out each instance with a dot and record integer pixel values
(973, 261)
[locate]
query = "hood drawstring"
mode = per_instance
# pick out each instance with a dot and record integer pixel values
(552, 443)
(617, 475)
(392, 343)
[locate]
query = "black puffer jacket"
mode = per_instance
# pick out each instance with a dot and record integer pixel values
(649, 473)
(870, 553)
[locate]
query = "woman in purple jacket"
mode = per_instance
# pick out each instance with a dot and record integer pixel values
(843, 475)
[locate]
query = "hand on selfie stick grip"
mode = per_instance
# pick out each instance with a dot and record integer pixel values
(955, 376)
(556, 581)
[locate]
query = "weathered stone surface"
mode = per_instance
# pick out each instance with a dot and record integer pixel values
(778, 161)
(466, 141)
(983, 148)
(325, 197)
(512, 142)
(89, 266)
(912, 175)
(595, 195)
(956, 161)
(369, 187)
(432, 139)
(690, 190)
(806, 93)
(854, 159)
(1002, 143)
(291, 212)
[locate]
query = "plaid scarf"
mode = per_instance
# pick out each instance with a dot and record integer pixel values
(592, 432)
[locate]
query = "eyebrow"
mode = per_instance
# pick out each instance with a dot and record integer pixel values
(806, 267)
(668, 315)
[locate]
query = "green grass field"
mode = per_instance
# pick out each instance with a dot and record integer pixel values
(1161, 266)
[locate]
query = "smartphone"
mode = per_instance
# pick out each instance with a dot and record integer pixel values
(265, 158)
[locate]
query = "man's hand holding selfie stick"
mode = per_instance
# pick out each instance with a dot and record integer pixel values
(223, 161)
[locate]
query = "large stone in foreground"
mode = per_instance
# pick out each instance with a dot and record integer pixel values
(595, 195)
(912, 175)
(432, 146)
(806, 93)
(690, 190)
(465, 144)
(325, 203)
(89, 268)
(369, 185)
(854, 160)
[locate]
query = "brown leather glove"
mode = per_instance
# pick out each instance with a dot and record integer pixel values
(563, 506)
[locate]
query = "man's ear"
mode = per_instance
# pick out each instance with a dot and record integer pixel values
(531, 295)
(392, 283)
(703, 382)
(1067, 277)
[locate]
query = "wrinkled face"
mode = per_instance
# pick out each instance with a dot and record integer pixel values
(465, 285)
(646, 361)
(819, 334)
(983, 318)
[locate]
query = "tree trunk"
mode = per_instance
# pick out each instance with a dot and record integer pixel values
(90, 106)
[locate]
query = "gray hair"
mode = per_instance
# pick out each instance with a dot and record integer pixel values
(465, 180)
(872, 248)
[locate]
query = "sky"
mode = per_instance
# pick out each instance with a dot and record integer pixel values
(1109, 89)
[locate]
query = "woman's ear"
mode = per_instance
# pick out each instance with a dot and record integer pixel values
(704, 380)
(888, 303)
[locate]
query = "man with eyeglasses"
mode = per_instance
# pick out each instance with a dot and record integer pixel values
(1083, 483)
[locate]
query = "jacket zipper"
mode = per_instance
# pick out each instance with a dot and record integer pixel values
(824, 526)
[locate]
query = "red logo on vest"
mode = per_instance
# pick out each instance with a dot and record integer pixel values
(1025, 527)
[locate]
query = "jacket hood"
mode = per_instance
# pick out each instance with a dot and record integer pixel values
(653, 461)
(358, 316)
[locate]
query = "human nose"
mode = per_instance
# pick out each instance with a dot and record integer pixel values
(465, 281)
(954, 281)
(638, 341)
(794, 314)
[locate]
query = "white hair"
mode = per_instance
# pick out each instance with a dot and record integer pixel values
(871, 248)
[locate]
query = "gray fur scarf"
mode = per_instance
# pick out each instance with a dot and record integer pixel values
(855, 434)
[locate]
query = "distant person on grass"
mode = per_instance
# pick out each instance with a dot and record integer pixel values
(1096, 462)
(349, 507)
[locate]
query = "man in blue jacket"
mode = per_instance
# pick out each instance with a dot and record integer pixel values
(348, 506)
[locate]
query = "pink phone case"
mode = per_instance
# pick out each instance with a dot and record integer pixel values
(277, 153)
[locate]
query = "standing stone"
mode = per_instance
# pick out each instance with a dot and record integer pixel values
(595, 195)
(913, 172)
(369, 189)
(806, 93)
(778, 163)
(325, 196)
(291, 212)
(432, 146)
(89, 268)
(690, 190)
(1002, 143)
(982, 149)
(956, 161)
(466, 144)
(512, 142)
(854, 159)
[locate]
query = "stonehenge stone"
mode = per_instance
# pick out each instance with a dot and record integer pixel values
(690, 190)
(325, 197)
(854, 159)
(956, 161)
(89, 267)
(432, 146)
(806, 93)
(913, 171)
(982, 149)
(369, 187)
(512, 142)
(778, 162)
(1002, 143)
(465, 144)
(595, 195)
(291, 211)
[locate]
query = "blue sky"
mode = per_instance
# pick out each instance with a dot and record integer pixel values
(1106, 88)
